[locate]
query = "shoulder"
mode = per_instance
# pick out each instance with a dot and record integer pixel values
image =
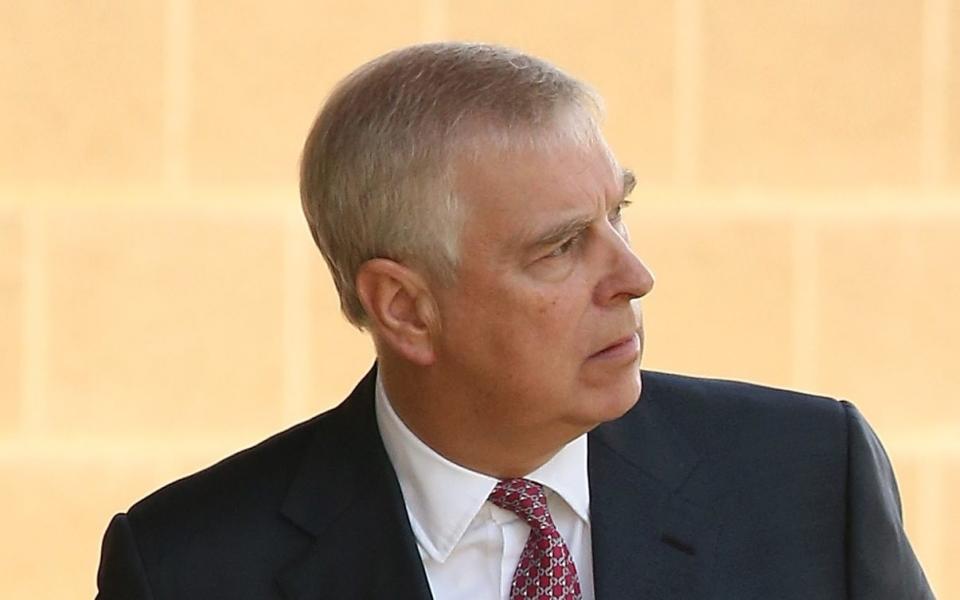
(262, 474)
(226, 511)
(698, 398)
(724, 394)
(240, 499)
(252, 474)
(176, 541)
(759, 459)
(233, 516)
(731, 418)
(795, 481)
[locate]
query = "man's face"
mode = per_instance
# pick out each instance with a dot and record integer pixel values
(542, 328)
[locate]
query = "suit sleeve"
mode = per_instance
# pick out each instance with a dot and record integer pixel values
(881, 564)
(121, 575)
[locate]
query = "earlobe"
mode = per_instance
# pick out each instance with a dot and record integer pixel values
(400, 308)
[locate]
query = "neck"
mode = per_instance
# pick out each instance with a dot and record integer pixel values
(441, 418)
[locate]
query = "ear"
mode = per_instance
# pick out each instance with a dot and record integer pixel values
(400, 307)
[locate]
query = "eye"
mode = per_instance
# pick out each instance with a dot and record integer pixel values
(565, 247)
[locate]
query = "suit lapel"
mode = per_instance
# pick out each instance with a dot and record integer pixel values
(649, 540)
(346, 496)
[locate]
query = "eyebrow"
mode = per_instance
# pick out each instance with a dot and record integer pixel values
(562, 231)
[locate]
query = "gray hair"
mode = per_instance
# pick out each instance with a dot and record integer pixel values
(377, 172)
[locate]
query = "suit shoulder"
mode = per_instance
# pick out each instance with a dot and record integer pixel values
(249, 476)
(718, 411)
(229, 524)
(729, 395)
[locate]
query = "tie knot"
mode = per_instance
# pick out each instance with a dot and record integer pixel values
(525, 499)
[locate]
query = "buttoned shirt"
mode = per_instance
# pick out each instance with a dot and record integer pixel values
(469, 547)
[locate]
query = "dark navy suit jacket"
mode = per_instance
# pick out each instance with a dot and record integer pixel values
(706, 489)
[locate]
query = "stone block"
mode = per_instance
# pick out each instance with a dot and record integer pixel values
(723, 301)
(947, 585)
(260, 73)
(888, 331)
(11, 318)
(164, 321)
(929, 507)
(952, 134)
(83, 91)
(811, 94)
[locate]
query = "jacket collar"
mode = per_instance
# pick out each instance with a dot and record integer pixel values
(347, 497)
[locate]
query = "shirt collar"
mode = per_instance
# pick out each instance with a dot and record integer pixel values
(443, 498)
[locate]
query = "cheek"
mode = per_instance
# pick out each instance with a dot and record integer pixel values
(525, 326)
(545, 306)
(557, 319)
(528, 331)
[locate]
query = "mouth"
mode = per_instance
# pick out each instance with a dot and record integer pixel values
(623, 348)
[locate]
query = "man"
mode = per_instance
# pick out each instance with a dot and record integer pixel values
(470, 213)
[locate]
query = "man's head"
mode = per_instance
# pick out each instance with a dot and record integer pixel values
(378, 166)
(469, 210)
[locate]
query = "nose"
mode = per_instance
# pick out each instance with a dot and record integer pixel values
(625, 275)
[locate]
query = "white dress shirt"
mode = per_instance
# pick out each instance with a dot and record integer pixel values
(469, 547)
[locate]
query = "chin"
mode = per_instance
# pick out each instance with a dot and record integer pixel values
(613, 401)
(628, 393)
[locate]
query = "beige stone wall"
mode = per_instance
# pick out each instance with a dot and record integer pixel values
(161, 305)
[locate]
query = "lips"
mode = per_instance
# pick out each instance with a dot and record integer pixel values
(625, 346)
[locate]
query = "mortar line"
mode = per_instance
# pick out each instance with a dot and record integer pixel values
(433, 20)
(805, 309)
(935, 42)
(178, 26)
(296, 319)
(931, 518)
(687, 79)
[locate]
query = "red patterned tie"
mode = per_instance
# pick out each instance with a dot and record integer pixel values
(546, 569)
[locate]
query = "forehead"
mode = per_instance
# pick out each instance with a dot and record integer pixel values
(507, 192)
